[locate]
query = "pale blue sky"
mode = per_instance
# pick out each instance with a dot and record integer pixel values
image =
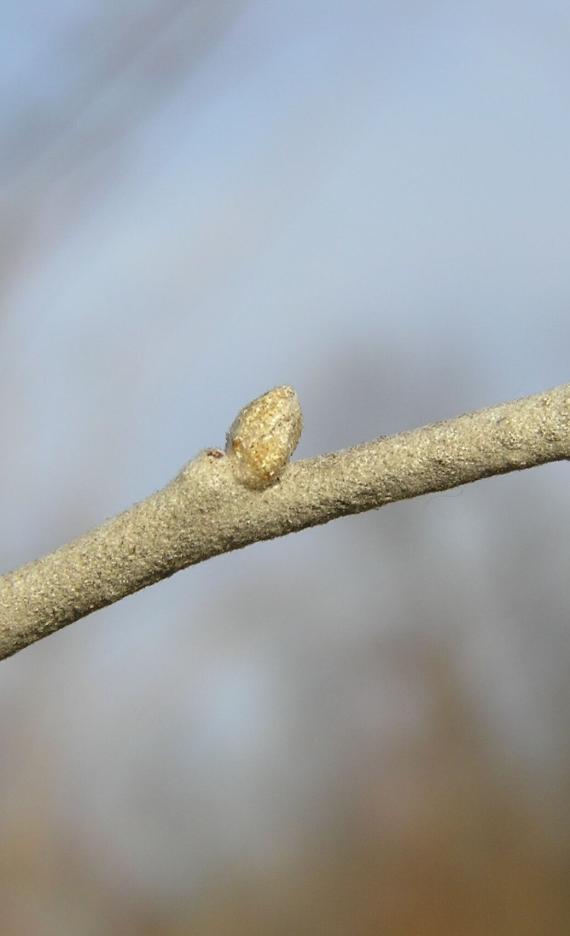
(369, 201)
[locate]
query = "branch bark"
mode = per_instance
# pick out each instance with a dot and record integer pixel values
(208, 509)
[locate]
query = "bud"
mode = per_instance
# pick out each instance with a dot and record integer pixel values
(263, 436)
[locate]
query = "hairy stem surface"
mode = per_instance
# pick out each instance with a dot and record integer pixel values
(207, 509)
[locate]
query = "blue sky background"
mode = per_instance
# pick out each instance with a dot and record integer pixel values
(369, 201)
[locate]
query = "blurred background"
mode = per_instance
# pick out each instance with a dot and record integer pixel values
(357, 729)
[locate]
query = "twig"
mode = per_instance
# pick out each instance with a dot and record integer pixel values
(210, 509)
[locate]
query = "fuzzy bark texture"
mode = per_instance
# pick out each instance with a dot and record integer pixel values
(208, 509)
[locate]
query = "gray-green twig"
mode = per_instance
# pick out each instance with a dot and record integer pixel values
(224, 501)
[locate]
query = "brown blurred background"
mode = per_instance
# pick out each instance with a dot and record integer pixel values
(362, 728)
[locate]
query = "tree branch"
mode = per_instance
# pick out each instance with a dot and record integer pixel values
(215, 504)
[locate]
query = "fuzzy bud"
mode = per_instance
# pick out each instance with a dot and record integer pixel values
(263, 436)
